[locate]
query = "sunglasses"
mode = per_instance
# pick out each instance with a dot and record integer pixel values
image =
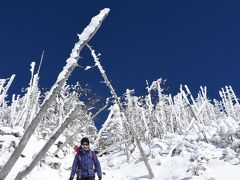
(85, 144)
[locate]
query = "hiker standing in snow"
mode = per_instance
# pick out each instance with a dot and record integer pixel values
(85, 163)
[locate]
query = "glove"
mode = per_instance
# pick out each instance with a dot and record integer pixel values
(99, 178)
(71, 178)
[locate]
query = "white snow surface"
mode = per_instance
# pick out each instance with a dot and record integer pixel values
(115, 165)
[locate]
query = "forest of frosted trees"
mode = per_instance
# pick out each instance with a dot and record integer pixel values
(160, 115)
(69, 111)
(153, 115)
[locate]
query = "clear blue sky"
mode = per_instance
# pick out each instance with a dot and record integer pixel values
(186, 42)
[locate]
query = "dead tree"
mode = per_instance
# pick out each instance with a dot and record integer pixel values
(79, 129)
(114, 94)
(84, 37)
(49, 143)
(179, 143)
(4, 90)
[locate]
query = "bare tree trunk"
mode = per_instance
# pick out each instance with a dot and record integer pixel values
(86, 35)
(5, 89)
(234, 95)
(79, 129)
(194, 115)
(50, 142)
(230, 101)
(111, 147)
(178, 144)
(114, 94)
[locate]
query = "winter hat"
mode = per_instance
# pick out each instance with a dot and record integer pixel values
(85, 140)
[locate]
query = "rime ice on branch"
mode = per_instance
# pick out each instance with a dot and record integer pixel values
(83, 37)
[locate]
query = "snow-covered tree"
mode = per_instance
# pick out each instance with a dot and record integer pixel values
(71, 63)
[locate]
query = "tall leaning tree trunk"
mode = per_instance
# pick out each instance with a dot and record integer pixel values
(79, 129)
(84, 37)
(50, 142)
(117, 99)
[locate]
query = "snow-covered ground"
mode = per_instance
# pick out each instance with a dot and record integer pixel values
(201, 161)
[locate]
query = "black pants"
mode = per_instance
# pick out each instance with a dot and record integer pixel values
(87, 178)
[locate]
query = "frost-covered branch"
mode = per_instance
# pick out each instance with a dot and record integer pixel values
(112, 91)
(84, 37)
(49, 143)
(187, 130)
(79, 129)
(5, 89)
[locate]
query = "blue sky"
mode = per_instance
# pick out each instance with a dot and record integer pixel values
(186, 42)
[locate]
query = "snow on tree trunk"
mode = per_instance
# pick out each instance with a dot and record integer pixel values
(113, 146)
(45, 148)
(230, 100)
(178, 144)
(113, 92)
(30, 100)
(194, 115)
(78, 130)
(84, 37)
(234, 96)
(4, 90)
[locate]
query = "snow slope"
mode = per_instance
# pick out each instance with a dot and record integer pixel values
(206, 162)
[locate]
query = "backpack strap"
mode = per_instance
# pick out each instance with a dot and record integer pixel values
(90, 155)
